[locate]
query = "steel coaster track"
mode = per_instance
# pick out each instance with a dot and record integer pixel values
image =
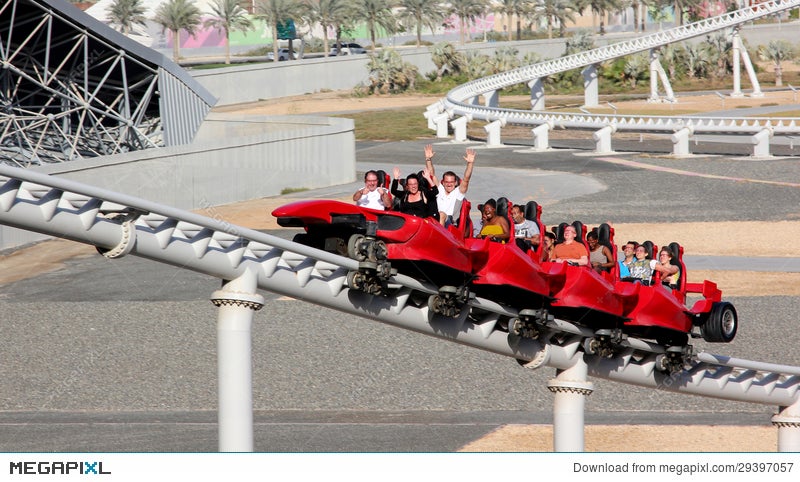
(458, 101)
(119, 225)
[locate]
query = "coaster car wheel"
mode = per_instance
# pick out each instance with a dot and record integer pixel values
(721, 324)
(354, 249)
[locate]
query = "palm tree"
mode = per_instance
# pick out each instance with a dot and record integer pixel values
(697, 60)
(504, 59)
(228, 15)
(507, 8)
(553, 12)
(177, 15)
(376, 13)
(476, 65)
(719, 46)
(126, 13)
(675, 57)
(635, 69)
(601, 8)
(388, 73)
(658, 12)
(274, 12)
(777, 51)
(446, 59)
(682, 6)
(580, 41)
(421, 13)
(645, 7)
(466, 11)
(329, 14)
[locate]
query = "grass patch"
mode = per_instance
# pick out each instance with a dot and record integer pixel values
(292, 190)
(786, 113)
(390, 125)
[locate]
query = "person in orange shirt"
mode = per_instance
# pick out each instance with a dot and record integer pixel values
(570, 251)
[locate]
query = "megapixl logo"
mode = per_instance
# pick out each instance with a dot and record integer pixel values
(57, 468)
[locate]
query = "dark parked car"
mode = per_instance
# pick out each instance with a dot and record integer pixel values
(347, 49)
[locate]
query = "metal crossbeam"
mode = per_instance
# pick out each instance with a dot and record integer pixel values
(120, 225)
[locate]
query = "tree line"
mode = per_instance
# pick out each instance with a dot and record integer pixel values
(387, 17)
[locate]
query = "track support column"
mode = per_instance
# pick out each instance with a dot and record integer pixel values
(460, 127)
(760, 142)
(491, 98)
(788, 422)
(541, 137)
(680, 141)
(571, 387)
(537, 94)
(440, 121)
(493, 132)
(602, 139)
(591, 92)
(237, 300)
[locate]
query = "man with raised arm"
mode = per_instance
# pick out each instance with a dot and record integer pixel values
(371, 196)
(449, 196)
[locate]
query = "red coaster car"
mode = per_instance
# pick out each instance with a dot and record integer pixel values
(417, 247)
(504, 273)
(658, 311)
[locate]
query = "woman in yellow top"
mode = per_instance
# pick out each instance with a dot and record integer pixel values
(494, 227)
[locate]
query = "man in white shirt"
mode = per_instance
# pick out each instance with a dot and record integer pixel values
(449, 196)
(371, 196)
(526, 231)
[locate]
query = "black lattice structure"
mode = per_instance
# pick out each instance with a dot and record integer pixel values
(73, 88)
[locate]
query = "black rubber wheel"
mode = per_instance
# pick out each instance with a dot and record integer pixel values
(352, 247)
(722, 323)
(355, 280)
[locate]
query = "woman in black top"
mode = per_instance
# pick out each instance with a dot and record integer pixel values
(417, 199)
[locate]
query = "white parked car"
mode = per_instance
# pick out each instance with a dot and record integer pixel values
(283, 54)
(347, 49)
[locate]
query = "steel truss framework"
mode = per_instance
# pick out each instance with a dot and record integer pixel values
(72, 88)
(461, 101)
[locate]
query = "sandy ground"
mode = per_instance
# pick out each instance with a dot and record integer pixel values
(254, 214)
(341, 102)
(633, 438)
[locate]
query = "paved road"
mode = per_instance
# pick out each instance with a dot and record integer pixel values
(120, 355)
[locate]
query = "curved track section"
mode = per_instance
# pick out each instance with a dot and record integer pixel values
(460, 100)
(119, 225)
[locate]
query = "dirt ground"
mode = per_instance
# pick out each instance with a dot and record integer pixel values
(633, 438)
(254, 214)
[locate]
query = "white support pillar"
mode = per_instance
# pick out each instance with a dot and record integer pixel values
(657, 74)
(537, 94)
(760, 142)
(590, 86)
(740, 52)
(654, 64)
(788, 422)
(493, 132)
(603, 139)
(441, 121)
(541, 137)
(571, 387)
(680, 141)
(737, 69)
(460, 127)
(237, 300)
(430, 112)
(491, 98)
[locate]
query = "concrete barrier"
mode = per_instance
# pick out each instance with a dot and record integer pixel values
(234, 158)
